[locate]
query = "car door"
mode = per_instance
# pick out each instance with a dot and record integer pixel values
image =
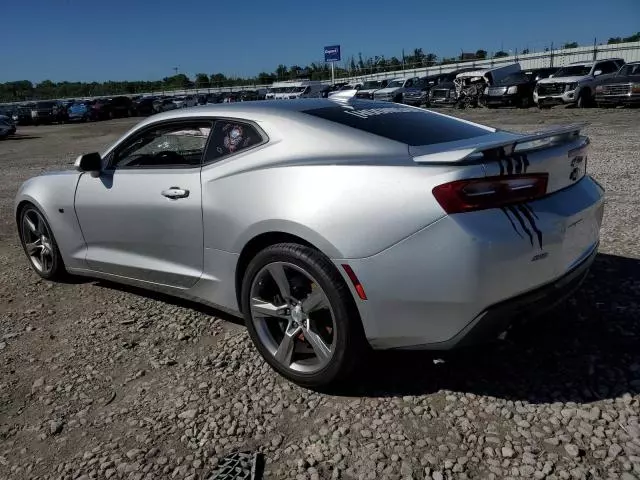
(142, 216)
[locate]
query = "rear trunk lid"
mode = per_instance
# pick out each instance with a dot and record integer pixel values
(560, 152)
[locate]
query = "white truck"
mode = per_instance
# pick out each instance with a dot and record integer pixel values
(294, 89)
(575, 83)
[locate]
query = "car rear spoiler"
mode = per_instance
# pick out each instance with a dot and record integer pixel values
(473, 151)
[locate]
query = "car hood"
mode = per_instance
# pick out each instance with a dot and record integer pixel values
(624, 79)
(388, 90)
(443, 86)
(574, 79)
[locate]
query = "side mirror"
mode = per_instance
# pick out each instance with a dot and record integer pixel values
(597, 72)
(89, 162)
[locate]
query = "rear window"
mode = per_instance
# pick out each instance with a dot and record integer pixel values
(403, 124)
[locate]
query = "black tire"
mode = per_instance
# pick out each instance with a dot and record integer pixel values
(350, 342)
(57, 270)
(525, 102)
(584, 98)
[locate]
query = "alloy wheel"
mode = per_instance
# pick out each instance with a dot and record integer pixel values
(37, 240)
(293, 317)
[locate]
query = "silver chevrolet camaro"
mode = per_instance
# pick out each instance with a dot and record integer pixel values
(331, 226)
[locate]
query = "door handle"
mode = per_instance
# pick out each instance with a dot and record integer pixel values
(175, 193)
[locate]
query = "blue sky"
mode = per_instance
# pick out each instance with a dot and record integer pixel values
(86, 40)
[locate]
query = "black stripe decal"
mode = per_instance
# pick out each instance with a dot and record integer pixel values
(520, 220)
(530, 210)
(526, 213)
(513, 225)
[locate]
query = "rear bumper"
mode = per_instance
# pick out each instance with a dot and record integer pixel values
(465, 274)
(500, 317)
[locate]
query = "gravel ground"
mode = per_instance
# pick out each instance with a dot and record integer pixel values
(102, 381)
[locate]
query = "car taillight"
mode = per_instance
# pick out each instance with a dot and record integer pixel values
(492, 192)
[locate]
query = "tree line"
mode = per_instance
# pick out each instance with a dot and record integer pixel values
(356, 65)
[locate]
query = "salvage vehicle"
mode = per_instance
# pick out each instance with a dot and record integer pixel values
(120, 106)
(47, 112)
(101, 109)
(143, 107)
(185, 101)
(22, 114)
(80, 112)
(470, 86)
(286, 213)
(7, 127)
(443, 92)
(621, 89)
(370, 87)
(418, 95)
(395, 89)
(163, 105)
(575, 84)
(516, 90)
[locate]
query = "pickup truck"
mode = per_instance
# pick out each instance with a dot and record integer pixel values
(575, 84)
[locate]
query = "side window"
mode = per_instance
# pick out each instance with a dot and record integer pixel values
(409, 83)
(229, 137)
(174, 145)
(607, 67)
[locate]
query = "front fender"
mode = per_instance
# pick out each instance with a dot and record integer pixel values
(53, 194)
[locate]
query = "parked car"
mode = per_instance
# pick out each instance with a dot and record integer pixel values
(213, 98)
(325, 268)
(575, 84)
(101, 109)
(370, 87)
(443, 92)
(80, 111)
(621, 89)
(395, 89)
(47, 112)
(163, 105)
(143, 106)
(418, 95)
(120, 106)
(7, 127)
(516, 90)
(185, 101)
(22, 114)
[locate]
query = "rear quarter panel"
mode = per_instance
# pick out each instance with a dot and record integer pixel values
(347, 211)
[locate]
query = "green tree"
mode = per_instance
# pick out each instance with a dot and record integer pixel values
(500, 54)
(481, 54)
(202, 80)
(570, 45)
(281, 72)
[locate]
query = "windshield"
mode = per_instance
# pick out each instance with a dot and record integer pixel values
(370, 85)
(45, 104)
(630, 69)
(395, 84)
(573, 71)
(513, 79)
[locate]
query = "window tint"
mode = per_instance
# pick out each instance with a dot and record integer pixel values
(229, 137)
(607, 67)
(403, 124)
(175, 145)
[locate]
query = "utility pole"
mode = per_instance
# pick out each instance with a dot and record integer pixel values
(175, 69)
(595, 49)
(551, 57)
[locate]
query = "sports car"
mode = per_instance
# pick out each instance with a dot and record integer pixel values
(331, 226)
